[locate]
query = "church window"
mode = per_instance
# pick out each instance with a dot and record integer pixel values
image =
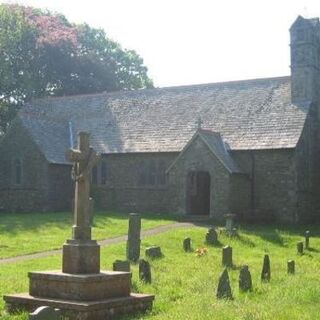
(17, 171)
(151, 173)
(99, 174)
(104, 173)
(142, 174)
(94, 175)
(161, 173)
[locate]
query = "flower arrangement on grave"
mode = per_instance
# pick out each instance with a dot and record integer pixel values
(201, 251)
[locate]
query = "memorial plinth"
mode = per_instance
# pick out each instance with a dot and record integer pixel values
(81, 291)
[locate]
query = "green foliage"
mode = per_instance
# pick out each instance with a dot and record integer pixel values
(43, 54)
(185, 284)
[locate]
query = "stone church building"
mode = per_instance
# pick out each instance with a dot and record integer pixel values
(246, 147)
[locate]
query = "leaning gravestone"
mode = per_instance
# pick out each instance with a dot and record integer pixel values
(245, 281)
(144, 271)
(120, 265)
(212, 237)
(307, 237)
(300, 248)
(133, 243)
(187, 245)
(224, 289)
(266, 271)
(153, 252)
(291, 267)
(227, 256)
(45, 313)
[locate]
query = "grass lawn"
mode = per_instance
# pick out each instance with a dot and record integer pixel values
(36, 232)
(185, 285)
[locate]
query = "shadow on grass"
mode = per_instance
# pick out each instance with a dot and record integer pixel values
(15, 223)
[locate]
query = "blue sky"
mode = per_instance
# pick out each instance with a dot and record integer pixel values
(196, 41)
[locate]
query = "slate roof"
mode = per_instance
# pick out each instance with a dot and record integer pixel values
(218, 148)
(249, 114)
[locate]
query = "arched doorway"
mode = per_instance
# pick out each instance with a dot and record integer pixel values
(198, 193)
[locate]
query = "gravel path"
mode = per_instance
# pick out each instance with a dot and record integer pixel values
(144, 233)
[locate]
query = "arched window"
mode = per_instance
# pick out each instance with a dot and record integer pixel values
(17, 171)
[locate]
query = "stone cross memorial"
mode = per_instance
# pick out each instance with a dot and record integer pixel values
(81, 254)
(81, 290)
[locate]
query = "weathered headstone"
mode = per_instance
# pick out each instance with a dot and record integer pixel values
(291, 267)
(307, 237)
(245, 281)
(212, 237)
(300, 247)
(120, 265)
(234, 232)
(133, 243)
(187, 245)
(229, 222)
(144, 271)
(227, 256)
(224, 289)
(153, 252)
(45, 313)
(266, 271)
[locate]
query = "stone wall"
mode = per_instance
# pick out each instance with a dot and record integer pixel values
(124, 189)
(273, 183)
(308, 175)
(61, 188)
(31, 193)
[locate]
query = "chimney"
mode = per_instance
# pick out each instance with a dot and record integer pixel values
(305, 56)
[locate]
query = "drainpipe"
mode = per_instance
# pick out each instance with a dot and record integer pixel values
(252, 198)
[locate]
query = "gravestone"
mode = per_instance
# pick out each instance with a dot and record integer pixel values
(266, 271)
(144, 271)
(212, 237)
(245, 281)
(133, 243)
(229, 222)
(224, 289)
(291, 266)
(81, 290)
(187, 245)
(45, 313)
(307, 237)
(300, 247)
(227, 256)
(153, 252)
(120, 265)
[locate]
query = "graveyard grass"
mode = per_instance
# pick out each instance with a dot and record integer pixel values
(35, 232)
(185, 284)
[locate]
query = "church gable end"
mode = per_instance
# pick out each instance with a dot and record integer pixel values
(23, 172)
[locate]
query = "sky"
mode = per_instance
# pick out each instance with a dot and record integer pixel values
(195, 41)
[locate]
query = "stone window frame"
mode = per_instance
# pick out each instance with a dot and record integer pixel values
(100, 175)
(151, 173)
(17, 173)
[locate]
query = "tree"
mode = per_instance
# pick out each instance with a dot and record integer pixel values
(43, 54)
